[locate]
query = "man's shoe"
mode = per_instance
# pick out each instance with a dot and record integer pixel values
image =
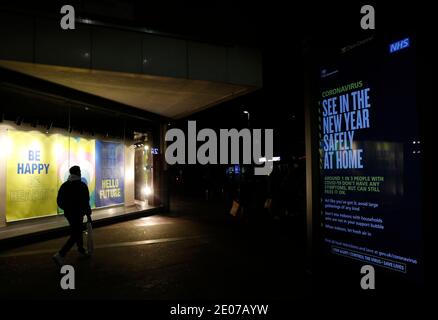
(84, 254)
(59, 260)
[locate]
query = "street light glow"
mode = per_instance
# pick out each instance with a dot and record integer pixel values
(147, 191)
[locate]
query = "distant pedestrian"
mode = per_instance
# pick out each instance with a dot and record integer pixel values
(74, 199)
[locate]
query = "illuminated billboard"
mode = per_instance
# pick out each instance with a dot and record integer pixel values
(110, 175)
(31, 177)
(38, 163)
(370, 159)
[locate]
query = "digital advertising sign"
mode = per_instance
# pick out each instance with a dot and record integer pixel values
(370, 158)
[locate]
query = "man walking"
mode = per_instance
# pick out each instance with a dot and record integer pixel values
(74, 199)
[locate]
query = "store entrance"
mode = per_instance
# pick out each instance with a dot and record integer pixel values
(143, 168)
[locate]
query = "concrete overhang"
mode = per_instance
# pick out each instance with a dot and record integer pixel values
(166, 96)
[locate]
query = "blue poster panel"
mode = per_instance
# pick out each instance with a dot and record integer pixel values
(109, 173)
(370, 159)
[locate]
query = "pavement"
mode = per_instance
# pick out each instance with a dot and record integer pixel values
(195, 251)
(26, 231)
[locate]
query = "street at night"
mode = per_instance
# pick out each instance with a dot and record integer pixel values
(223, 160)
(195, 252)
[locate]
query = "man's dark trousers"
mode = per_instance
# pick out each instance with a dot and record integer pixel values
(76, 228)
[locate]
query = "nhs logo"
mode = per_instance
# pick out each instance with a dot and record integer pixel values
(396, 46)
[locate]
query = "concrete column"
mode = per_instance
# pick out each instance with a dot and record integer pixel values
(3, 159)
(129, 175)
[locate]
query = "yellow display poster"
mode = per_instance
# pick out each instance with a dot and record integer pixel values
(31, 177)
(63, 161)
(76, 151)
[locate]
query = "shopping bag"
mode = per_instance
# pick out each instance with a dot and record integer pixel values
(268, 204)
(90, 243)
(234, 208)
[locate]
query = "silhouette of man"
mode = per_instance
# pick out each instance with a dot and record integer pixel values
(74, 199)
